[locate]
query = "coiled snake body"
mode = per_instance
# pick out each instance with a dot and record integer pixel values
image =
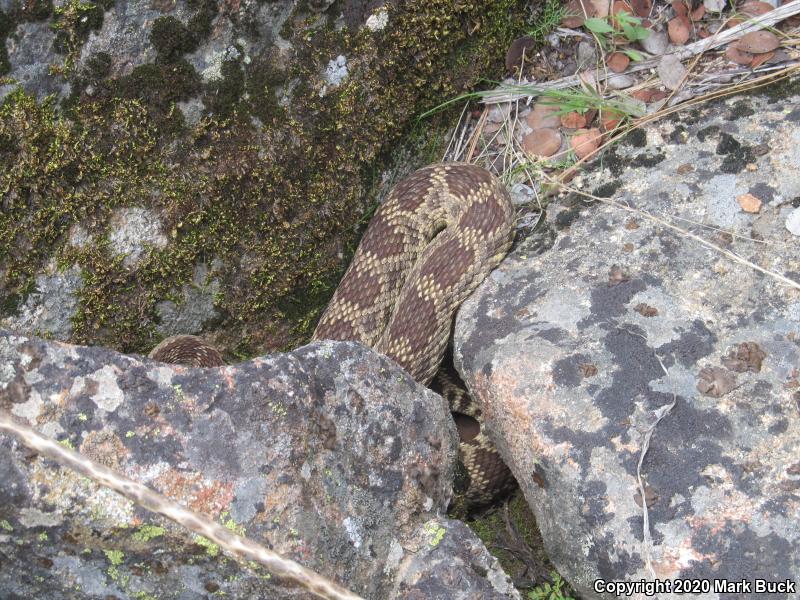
(439, 233)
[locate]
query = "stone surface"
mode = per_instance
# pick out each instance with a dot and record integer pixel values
(49, 308)
(330, 455)
(602, 318)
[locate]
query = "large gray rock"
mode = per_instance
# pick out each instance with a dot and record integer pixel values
(330, 455)
(603, 318)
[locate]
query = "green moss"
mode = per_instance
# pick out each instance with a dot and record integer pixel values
(5, 28)
(211, 548)
(280, 203)
(200, 23)
(72, 22)
(98, 66)
(262, 81)
(148, 532)
(171, 38)
(782, 89)
(222, 96)
(32, 10)
(114, 556)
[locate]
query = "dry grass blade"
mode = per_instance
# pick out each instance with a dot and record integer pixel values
(241, 547)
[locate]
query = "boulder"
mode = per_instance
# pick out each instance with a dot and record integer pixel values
(330, 455)
(605, 328)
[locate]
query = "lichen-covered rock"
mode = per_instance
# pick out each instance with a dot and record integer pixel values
(251, 133)
(596, 323)
(330, 455)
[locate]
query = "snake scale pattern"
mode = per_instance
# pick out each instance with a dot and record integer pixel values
(439, 233)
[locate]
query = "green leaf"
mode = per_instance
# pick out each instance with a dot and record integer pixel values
(598, 25)
(634, 32)
(633, 55)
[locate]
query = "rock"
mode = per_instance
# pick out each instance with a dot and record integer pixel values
(656, 43)
(587, 55)
(49, 308)
(30, 54)
(195, 306)
(620, 81)
(793, 222)
(671, 71)
(330, 455)
(599, 320)
(132, 231)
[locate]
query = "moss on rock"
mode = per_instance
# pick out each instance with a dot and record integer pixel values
(277, 200)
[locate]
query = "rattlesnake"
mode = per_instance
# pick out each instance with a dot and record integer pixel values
(439, 233)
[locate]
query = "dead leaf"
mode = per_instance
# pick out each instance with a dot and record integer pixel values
(715, 381)
(760, 59)
(658, 95)
(587, 369)
(574, 14)
(680, 8)
(646, 310)
(610, 119)
(618, 61)
(684, 169)
(671, 71)
(650, 497)
(746, 356)
(749, 203)
(616, 276)
(641, 8)
(586, 141)
(751, 8)
(542, 142)
(621, 6)
(542, 116)
(697, 13)
(740, 57)
(599, 8)
(573, 120)
(519, 48)
(758, 42)
(678, 30)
